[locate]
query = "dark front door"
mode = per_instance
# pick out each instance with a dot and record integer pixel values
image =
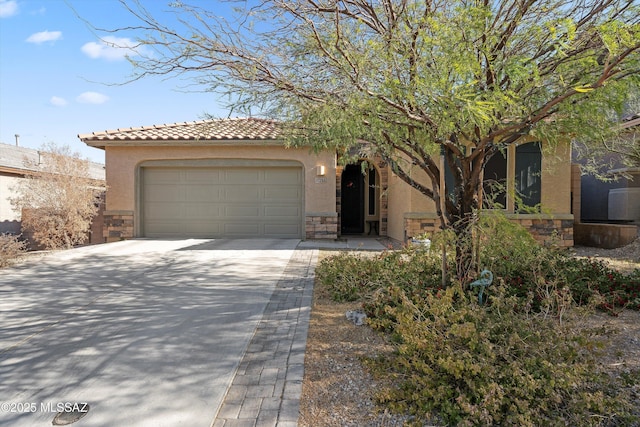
(352, 192)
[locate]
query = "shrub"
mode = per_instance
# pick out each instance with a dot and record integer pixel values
(499, 364)
(350, 277)
(11, 247)
(506, 248)
(588, 277)
(510, 252)
(58, 199)
(518, 360)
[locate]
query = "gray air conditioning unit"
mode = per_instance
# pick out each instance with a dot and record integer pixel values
(624, 204)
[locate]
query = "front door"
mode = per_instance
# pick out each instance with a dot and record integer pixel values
(352, 193)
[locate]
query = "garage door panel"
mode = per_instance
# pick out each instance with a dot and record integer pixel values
(160, 211)
(242, 176)
(278, 177)
(195, 228)
(276, 230)
(282, 211)
(292, 193)
(202, 210)
(242, 193)
(164, 193)
(222, 202)
(203, 176)
(242, 211)
(163, 176)
(244, 229)
(210, 193)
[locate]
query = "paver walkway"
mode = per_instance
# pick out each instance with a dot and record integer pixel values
(267, 386)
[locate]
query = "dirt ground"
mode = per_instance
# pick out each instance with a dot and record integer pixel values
(338, 391)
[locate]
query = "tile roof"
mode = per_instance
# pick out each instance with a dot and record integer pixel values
(234, 129)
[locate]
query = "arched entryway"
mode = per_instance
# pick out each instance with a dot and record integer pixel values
(360, 204)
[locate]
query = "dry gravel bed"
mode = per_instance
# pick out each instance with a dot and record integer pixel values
(338, 391)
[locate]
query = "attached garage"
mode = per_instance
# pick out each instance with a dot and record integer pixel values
(217, 178)
(222, 201)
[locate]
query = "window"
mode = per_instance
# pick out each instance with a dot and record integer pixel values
(526, 178)
(528, 170)
(495, 182)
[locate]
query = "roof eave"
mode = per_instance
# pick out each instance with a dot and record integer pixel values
(102, 143)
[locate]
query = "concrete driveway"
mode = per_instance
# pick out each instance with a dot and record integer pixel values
(145, 332)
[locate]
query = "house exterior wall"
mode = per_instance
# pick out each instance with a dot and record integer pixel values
(404, 212)
(9, 219)
(123, 165)
(556, 180)
(399, 195)
(553, 224)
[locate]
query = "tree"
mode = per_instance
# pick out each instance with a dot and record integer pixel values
(622, 150)
(58, 198)
(465, 78)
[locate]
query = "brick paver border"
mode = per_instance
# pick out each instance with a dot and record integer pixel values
(266, 389)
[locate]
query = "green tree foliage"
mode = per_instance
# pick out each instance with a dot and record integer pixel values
(413, 79)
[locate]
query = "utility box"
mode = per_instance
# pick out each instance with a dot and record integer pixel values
(624, 204)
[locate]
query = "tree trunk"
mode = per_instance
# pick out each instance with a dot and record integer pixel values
(463, 209)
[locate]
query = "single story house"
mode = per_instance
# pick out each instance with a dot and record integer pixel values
(235, 178)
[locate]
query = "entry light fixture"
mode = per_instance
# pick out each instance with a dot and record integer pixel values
(320, 170)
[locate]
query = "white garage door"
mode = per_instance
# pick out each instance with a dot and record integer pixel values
(222, 202)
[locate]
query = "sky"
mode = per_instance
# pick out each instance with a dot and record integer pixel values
(58, 78)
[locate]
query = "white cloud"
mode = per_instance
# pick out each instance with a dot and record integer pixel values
(113, 48)
(57, 101)
(8, 8)
(92, 98)
(44, 36)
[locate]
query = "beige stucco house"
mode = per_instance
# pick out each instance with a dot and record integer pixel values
(235, 178)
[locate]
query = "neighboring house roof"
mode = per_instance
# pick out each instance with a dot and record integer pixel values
(232, 130)
(12, 158)
(17, 160)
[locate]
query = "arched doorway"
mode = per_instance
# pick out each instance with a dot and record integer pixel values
(360, 200)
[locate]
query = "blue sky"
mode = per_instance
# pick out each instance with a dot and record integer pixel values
(56, 76)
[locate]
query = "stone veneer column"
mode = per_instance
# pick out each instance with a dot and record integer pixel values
(118, 225)
(416, 223)
(321, 225)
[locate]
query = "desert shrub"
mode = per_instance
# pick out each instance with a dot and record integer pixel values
(352, 277)
(11, 247)
(518, 359)
(588, 277)
(499, 364)
(506, 248)
(509, 251)
(58, 198)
